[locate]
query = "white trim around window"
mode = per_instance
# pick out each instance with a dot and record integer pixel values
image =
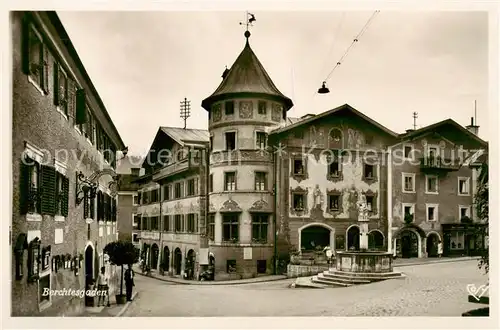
(60, 167)
(412, 210)
(33, 152)
(235, 139)
(427, 191)
(460, 208)
(436, 212)
(463, 178)
(407, 175)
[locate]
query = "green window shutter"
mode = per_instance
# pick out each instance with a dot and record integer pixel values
(81, 108)
(48, 204)
(24, 189)
(65, 192)
(25, 44)
(56, 84)
(71, 99)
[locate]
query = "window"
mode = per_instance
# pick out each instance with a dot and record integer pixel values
(262, 107)
(35, 57)
(211, 226)
(230, 140)
(136, 223)
(408, 212)
(431, 184)
(167, 194)
(154, 196)
(60, 89)
(30, 187)
(230, 181)
(59, 193)
(230, 228)
(333, 202)
(88, 127)
(154, 223)
(261, 138)
(146, 197)
(136, 200)
(135, 238)
(298, 167)
(369, 171)
(463, 186)
(408, 152)
(464, 211)
(190, 187)
(333, 168)
(231, 266)
(211, 183)
(191, 223)
(432, 212)
(261, 266)
(211, 146)
(298, 201)
(260, 181)
(457, 240)
(44, 285)
(178, 223)
(259, 228)
(229, 107)
(179, 189)
(408, 182)
(370, 203)
(335, 140)
(166, 223)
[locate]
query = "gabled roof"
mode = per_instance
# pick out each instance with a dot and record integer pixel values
(246, 76)
(449, 121)
(308, 119)
(185, 136)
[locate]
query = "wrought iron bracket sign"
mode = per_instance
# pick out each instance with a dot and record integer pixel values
(88, 185)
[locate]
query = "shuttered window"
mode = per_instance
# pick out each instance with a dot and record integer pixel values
(30, 186)
(48, 201)
(35, 55)
(61, 98)
(62, 191)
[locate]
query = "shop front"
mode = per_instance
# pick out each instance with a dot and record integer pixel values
(464, 239)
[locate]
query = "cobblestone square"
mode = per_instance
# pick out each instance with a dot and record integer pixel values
(427, 290)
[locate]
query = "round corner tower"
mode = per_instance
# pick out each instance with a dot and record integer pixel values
(241, 112)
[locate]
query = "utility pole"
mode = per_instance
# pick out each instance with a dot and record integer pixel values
(185, 110)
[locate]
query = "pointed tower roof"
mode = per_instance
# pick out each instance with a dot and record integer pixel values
(247, 76)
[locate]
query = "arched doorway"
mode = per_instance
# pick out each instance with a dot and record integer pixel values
(155, 253)
(313, 237)
(89, 274)
(376, 240)
(353, 238)
(177, 261)
(409, 244)
(190, 261)
(166, 259)
(432, 245)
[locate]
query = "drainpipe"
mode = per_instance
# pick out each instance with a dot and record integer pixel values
(275, 208)
(389, 199)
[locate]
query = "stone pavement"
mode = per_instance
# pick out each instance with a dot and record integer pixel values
(400, 262)
(114, 310)
(178, 280)
(435, 289)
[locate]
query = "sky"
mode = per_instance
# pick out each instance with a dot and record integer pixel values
(143, 64)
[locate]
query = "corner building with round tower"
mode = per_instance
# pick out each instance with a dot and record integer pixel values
(242, 110)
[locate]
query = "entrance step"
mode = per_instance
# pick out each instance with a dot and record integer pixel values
(386, 275)
(336, 278)
(343, 279)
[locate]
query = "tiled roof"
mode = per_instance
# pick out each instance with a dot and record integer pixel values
(187, 135)
(247, 75)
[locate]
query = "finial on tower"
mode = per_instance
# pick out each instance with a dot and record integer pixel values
(185, 110)
(249, 19)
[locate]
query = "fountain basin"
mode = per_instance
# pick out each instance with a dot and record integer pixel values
(364, 261)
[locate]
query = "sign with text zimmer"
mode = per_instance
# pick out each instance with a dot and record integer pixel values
(150, 235)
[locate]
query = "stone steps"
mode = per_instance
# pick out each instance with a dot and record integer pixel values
(337, 278)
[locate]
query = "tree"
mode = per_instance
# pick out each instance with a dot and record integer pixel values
(481, 201)
(122, 253)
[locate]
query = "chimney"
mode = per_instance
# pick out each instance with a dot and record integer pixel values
(474, 129)
(135, 171)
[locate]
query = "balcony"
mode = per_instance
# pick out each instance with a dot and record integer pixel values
(438, 164)
(172, 169)
(235, 157)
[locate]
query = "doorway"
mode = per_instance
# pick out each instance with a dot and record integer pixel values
(409, 244)
(166, 259)
(313, 237)
(190, 261)
(353, 238)
(177, 261)
(432, 245)
(89, 274)
(155, 253)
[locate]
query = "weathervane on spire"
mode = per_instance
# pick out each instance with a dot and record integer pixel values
(249, 19)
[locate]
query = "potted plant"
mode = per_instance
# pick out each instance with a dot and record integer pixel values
(121, 253)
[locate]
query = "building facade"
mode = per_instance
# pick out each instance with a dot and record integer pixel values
(63, 149)
(277, 183)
